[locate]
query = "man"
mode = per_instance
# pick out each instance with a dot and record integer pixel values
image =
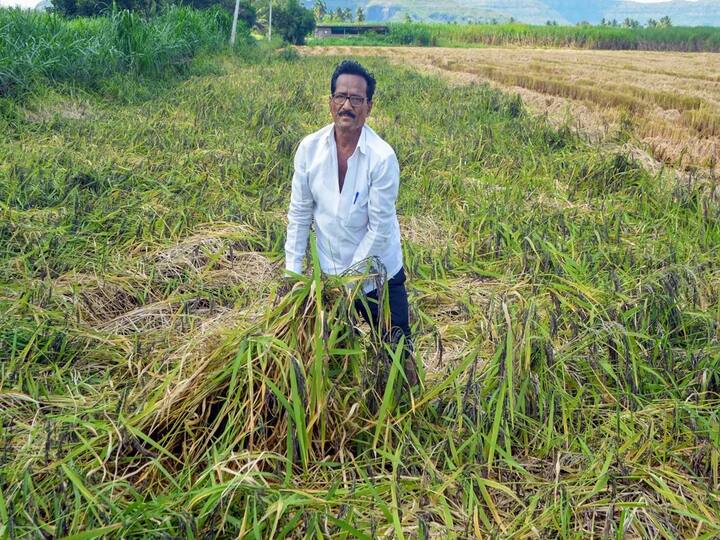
(346, 179)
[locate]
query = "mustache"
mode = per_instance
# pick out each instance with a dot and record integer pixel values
(347, 113)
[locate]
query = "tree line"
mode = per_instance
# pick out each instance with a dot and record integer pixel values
(291, 20)
(663, 22)
(323, 14)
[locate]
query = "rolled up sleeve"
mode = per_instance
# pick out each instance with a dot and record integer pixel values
(381, 209)
(300, 215)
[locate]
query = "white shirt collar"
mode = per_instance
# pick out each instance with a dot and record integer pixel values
(362, 142)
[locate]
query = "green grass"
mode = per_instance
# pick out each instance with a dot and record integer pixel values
(690, 39)
(153, 383)
(39, 48)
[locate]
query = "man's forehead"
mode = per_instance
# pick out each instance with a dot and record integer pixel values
(355, 82)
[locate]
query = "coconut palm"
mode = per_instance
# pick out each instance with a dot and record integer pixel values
(319, 9)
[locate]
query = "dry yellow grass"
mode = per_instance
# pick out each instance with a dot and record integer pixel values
(670, 102)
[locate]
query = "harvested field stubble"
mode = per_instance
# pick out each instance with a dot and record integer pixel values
(668, 102)
(154, 382)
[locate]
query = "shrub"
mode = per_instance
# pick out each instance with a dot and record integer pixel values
(48, 47)
(293, 22)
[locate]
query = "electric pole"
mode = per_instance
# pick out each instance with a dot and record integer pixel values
(270, 23)
(233, 32)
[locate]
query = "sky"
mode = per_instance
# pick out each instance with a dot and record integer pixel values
(33, 3)
(21, 3)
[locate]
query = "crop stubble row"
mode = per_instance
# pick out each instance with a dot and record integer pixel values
(668, 102)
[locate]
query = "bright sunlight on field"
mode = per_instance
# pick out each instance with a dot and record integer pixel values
(669, 102)
(565, 302)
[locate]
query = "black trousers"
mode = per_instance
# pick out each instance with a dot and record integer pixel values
(397, 296)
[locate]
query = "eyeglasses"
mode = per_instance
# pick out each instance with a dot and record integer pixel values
(355, 101)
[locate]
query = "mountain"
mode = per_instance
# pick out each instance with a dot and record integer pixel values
(681, 12)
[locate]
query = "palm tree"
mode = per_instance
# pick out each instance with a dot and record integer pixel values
(630, 23)
(319, 9)
(360, 15)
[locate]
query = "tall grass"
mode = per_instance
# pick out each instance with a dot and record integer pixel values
(38, 47)
(155, 383)
(689, 39)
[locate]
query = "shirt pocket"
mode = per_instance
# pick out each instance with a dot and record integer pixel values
(357, 216)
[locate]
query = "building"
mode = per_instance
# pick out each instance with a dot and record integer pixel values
(339, 30)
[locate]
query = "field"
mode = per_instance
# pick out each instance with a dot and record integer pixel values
(154, 383)
(668, 104)
(105, 54)
(687, 39)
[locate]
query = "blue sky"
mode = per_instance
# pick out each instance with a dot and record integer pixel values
(33, 3)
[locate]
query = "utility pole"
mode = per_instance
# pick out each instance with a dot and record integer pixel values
(233, 32)
(270, 23)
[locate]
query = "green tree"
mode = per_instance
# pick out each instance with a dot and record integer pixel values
(90, 8)
(665, 22)
(319, 9)
(347, 15)
(65, 7)
(630, 23)
(360, 15)
(652, 23)
(247, 12)
(292, 21)
(339, 14)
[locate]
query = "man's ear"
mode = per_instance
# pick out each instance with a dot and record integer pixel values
(370, 104)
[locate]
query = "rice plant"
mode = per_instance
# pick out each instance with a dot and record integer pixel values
(668, 112)
(156, 383)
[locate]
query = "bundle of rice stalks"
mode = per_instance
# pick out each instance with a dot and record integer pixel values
(250, 270)
(424, 231)
(176, 317)
(99, 300)
(294, 384)
(218, 248)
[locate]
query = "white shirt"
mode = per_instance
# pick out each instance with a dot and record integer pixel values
(350, 225)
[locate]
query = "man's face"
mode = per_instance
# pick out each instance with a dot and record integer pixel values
(346, 116)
